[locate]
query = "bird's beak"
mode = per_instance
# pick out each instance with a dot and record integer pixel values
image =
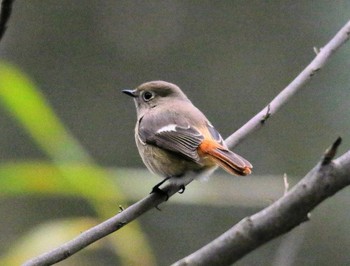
(132, 93)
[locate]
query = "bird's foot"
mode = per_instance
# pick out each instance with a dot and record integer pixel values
(157, 190)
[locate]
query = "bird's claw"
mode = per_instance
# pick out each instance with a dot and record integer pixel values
(182, 189)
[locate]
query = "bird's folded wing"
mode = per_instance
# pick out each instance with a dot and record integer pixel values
(183, 140)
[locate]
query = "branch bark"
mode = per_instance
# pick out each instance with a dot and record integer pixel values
(6, 9)
(309, 190)
(327, 178)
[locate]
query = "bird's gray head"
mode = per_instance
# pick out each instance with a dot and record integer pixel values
(154, 93)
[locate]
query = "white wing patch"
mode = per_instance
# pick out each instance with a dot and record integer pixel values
(167, 128)
(171, 128)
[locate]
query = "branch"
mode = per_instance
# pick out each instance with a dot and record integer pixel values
(103, 229)
(153, 200)
(322, 56)
(6, 8)
(323, 181)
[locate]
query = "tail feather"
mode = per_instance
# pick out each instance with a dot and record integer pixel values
(231, 162)
(228, 160)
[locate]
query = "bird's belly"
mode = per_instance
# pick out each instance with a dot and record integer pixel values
(166, 163)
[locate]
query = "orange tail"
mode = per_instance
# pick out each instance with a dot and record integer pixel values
(228, 160)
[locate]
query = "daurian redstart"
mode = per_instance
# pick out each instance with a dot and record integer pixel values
(174, 138)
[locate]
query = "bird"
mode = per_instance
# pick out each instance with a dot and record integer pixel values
(175, 139)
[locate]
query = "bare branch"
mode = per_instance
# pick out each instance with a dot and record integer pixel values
(103, 229)
(285, 95)
(253, 226)
(6, 8)
(277, 219)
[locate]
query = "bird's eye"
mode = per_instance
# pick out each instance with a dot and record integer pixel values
(147, 95)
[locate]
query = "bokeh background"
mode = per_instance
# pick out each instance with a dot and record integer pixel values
(67, 153)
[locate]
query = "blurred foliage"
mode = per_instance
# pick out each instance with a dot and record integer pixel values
(27, 105)
(47, 236)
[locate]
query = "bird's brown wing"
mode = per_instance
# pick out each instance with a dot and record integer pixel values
(181, 139)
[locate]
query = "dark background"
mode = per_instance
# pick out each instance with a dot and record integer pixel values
(231, 58)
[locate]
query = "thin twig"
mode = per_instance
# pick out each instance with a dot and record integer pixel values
(153, 200)
(330, 152)
(6, 9)
(286, 184)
